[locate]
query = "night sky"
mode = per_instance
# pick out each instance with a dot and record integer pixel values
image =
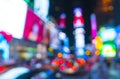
(67, 6)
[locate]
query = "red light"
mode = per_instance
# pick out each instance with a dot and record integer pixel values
(61, 61)
(7, 36)
(62, 21)
(1, 68)
(68, 64)
(78, 21)
(62, 67)
(57, 62)
(75, 68)
(80, 61)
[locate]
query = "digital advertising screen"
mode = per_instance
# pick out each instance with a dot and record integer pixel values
(12, 17)
(41, 8)
(78, 20)
(33, 27)
(108, 50)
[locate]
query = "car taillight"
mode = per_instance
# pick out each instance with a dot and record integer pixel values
(2, 68)
(61, 61)
(75, 68)
(81, 62)
(62, 68)
(69, 64)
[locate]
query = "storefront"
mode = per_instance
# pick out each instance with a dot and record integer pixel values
(22, 49)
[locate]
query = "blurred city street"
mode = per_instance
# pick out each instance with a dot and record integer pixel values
(59, 39)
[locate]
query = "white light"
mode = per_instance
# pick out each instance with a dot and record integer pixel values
(14, 73)
(41, 8)
(78, 12)
(12, 17)
(54, 40)
(79, 31)
(80, 52)
(66, 49)
(80, 41)
(62, 35)
(108, 51)
(108, 34)
(78, 23)
(66, 55)
(39, 56)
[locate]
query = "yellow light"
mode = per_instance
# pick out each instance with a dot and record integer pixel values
(97, 52)
(50, 49)
(87, 52)
(98, 42)
(59, 55)
(105, 4)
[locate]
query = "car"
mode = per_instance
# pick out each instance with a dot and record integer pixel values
(14, 73)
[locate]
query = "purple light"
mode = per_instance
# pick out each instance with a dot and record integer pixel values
(93, 26)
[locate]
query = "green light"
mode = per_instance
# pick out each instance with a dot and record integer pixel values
(30, 3)
(108, 50)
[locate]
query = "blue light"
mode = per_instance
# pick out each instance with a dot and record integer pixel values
(1, 37)
(5, 47)
(63, 15)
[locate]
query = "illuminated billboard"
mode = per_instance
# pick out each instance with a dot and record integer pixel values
(108, 50)
(4, 48)
(41, 8)
(93, 26)
(62, 21)
(33, 27)
(12, 17)
(78, 18)
(107, 34)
